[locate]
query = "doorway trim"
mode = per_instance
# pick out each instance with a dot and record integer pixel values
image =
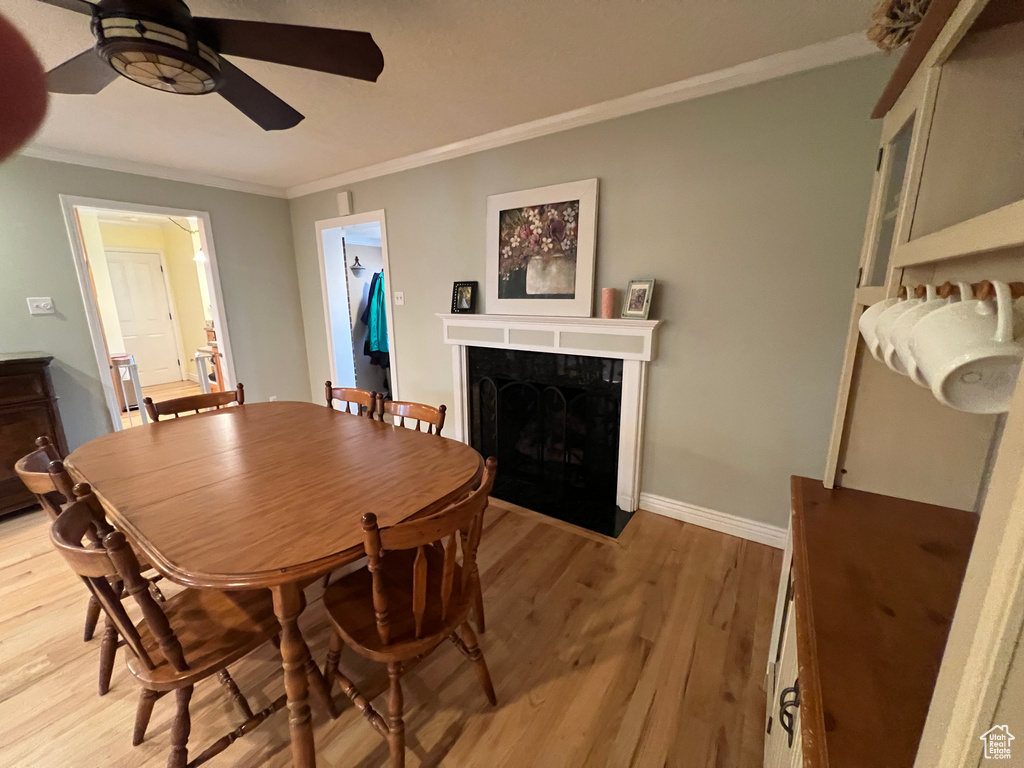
(348, 221)
(179, 345)
(68, 204)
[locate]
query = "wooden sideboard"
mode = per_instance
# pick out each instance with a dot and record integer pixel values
(872, 592)
(28, 409)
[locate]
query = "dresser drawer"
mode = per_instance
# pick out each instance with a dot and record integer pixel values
(22, 387)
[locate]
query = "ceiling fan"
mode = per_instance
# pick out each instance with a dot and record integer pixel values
(160, 44)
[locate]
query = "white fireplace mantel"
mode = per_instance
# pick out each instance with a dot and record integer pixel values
(632, 341)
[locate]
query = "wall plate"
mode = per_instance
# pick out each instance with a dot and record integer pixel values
(40, 305)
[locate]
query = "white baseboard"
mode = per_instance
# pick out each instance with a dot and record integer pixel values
(192, 377)
(752, 530)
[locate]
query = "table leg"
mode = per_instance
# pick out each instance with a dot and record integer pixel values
(318, 684)
(288, 604)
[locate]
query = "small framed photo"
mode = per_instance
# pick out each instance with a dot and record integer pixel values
(637, 302)
(464, 297)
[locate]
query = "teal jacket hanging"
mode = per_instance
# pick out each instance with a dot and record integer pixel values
(375, 318)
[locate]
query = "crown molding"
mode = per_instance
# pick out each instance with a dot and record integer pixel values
(41, 152)
(833, 51)
(777, 65)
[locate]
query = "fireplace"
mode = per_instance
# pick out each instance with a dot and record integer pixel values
(560, 401)
(552, 420)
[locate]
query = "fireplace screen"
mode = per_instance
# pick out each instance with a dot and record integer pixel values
(552, 420)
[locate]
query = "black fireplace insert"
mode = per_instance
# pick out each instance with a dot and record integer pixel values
(552, 420)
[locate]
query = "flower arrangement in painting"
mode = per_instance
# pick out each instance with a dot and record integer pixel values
(543, 231)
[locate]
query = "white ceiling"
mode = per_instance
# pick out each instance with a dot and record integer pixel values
(133, 218)
(363, 234)
(454, 69)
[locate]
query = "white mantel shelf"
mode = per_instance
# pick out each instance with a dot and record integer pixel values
(632, 341)
(590, 336)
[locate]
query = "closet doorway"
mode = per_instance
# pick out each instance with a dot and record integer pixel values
(358, 305)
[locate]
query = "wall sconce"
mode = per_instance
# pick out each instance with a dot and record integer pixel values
(356, 267)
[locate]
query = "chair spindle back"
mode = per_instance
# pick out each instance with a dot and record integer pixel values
(193, 403)
(355, 400)
(113, 558)
(432, 418)
(33, 469)
(458, 526)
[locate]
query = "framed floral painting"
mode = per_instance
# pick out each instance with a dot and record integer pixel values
(540, 250)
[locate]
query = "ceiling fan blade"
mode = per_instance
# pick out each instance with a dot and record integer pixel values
(336, 51)
(79, 6)
(85, 73)
(254, 101)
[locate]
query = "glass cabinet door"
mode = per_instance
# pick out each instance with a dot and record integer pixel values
(893, 169)
(897, 178)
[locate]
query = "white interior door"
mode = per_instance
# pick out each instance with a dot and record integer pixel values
(144, 313)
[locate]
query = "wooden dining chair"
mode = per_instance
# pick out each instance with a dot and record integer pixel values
(432, 418)
(358, 402)
(364, 403)
(193, 403)
(192, 636)
(413, 594)
(44, 475)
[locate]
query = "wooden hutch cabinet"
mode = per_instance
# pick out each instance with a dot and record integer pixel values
(28, 409)
(898, 628)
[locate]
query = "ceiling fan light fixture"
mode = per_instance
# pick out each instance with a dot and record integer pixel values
(157, 56)
(161, 45)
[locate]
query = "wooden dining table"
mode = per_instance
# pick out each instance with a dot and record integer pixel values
(269, 495)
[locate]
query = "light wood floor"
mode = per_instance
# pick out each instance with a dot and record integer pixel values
(160, 392)
(648, 651)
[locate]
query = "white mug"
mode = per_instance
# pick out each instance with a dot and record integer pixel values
(888, 319)
(901, 327)
(905, 326)
(867, 322)
(969, 352)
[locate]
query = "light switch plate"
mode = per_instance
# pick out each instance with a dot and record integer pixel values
(40, 305)
(399, 298)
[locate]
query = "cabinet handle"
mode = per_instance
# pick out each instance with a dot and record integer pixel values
(785, 705)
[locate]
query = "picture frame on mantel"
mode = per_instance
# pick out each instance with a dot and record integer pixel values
(541, 247)
(636, 304)
(464, 297)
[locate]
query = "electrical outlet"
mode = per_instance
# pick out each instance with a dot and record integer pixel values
(273, 398)
(399, 298)
(40, 305)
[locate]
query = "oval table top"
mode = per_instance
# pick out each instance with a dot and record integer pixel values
(266, 493)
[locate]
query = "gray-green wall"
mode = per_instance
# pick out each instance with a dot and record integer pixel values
(748, 207)
(252, 235)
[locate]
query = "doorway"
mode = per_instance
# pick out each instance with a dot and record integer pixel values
(358, 308)
(149, 281)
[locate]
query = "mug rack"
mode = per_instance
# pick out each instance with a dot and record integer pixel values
(981, 290)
